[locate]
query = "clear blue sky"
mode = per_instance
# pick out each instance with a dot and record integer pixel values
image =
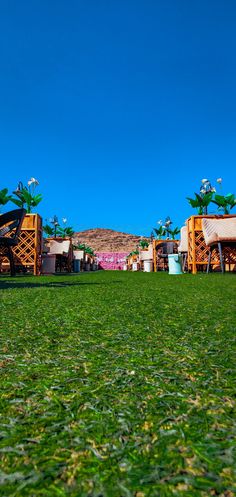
(117, 107)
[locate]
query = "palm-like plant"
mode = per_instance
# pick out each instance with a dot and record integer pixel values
(134, 252)
(65, 231)
(225, 203)
(89, 250)
(48, 230)
(160, 232)
(79, 246)
(26, 195)
(201, 202)
(4, 197)
(173, 232)
(57, 230)
(143, 244)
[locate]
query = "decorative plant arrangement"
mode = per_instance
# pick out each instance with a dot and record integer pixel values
(134, 252)
(85, 248)
(161, 231)
(56, 230)
(225, 203)
(165, 230)
(79, 246)
(89, 250)
(207, 194)
(173, 233)
(143, 244)
(26, 195)
(64, 230)
(49, 230)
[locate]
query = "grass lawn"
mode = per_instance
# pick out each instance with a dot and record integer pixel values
(118, 385)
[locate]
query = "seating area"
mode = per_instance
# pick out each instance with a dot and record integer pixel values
(24, 249)
(206, 244)
(209, 246)
(61, 253)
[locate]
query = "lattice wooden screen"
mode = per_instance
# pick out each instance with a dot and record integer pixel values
(28, 251)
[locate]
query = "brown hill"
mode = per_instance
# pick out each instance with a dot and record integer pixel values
(106, 240)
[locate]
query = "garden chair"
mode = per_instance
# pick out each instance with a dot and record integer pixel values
(10, 226)
(183, 246)
(220, 234)
(163, 250)
(62, 249)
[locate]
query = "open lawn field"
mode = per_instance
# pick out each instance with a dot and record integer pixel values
(118, 384)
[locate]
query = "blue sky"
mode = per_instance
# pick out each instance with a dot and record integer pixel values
(118, 107)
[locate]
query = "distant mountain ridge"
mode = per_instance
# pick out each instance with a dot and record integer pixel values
(108, 240)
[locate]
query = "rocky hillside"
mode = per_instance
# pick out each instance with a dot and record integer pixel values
(105, 240)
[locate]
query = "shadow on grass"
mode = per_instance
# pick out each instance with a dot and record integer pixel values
(6, 284)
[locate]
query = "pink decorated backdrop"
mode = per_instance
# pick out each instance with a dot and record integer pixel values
(111, 260)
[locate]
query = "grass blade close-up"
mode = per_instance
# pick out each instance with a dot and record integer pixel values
(117, 384)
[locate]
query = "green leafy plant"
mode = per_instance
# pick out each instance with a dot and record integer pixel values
(201, 202)
(165, 229)
(4, 197)
(134, 252)
(89, 250)
(204, 197)
(85, 248)
(51, 231)
(26, 195)
(173, 233)
(48, 230)
(160, 232)
(170, 232)
(65, 231)
(79, 246)
(225, 203)
(143, 244)
(57, 230)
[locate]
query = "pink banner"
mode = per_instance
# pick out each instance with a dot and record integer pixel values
(111, 260)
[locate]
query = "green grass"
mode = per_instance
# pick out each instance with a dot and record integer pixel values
(118, 385)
